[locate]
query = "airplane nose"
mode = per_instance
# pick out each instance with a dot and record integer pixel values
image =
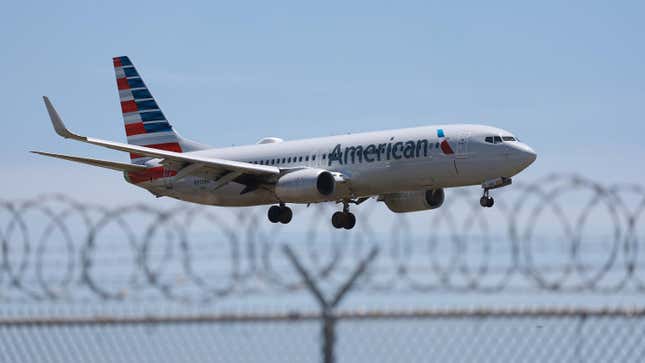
(523, 156)
(527, 155)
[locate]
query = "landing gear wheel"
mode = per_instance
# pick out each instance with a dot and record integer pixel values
(274, 214)
(285, 215)
(281, 213)
(343, 220)
(483, 201)
(486, 202)
(350, 220)
(337, 220)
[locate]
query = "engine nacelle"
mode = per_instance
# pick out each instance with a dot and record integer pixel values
(306, 185)
(414, 201)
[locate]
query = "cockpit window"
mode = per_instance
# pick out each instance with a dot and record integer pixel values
(498, 139)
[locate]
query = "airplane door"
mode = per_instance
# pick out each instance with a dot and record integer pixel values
(460, 162)
(462, 146)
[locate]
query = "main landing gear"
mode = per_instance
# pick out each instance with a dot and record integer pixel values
(486, 200)
(343, 219)
(281, 213)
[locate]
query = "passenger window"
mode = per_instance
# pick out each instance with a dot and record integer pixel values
(307, 158)
(300, 158)
(498, 140)
(489, 139)
(324, 156)
(314, 157)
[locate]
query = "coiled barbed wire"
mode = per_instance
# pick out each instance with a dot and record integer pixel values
(558, 233)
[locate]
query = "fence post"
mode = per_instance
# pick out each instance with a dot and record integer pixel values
(582, 318)
(327, 314)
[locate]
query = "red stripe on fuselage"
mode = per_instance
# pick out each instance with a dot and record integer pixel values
(171, 146)
(151, 174)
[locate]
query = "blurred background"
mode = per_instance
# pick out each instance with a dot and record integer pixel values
(96, 269)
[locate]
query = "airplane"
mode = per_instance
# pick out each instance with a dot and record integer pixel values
(406, 169)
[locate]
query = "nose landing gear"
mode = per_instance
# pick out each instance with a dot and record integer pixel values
(281, 213)
(486, 200)
(343, 219)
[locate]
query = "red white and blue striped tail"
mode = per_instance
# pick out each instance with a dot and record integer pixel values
(145, 124)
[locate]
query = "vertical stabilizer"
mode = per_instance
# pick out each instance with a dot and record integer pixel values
(145, 123)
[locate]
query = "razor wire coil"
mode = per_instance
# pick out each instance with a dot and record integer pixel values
(54, 246)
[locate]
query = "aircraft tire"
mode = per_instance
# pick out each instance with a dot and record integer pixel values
(486, 202)
(274, 214)
(285, 215)
(337, 220)
(350, 220)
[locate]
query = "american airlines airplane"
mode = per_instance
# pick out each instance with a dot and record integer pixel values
(407, 169)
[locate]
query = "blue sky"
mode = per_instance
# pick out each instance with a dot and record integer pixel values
(566, 77)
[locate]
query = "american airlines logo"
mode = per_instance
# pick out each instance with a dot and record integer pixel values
(409, 149)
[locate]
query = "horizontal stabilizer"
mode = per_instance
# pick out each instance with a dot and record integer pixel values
(95, 162)
(220, 164)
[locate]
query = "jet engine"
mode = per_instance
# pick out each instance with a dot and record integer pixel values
(306, 185)
(414, 201)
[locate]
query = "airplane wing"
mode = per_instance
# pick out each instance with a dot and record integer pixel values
(182, 158)
(95, 162)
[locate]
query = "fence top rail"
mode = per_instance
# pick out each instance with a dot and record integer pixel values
(545, 312)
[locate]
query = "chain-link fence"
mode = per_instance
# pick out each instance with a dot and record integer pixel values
(553, 273)
(430, 336)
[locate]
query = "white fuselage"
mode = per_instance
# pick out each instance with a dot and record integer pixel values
(372, 163)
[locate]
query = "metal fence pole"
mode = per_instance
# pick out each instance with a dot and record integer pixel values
(327, 306)
(582, 318)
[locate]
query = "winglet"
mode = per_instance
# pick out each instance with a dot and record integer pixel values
(57, 122)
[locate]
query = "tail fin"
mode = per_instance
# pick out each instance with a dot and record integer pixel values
(145, 124)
